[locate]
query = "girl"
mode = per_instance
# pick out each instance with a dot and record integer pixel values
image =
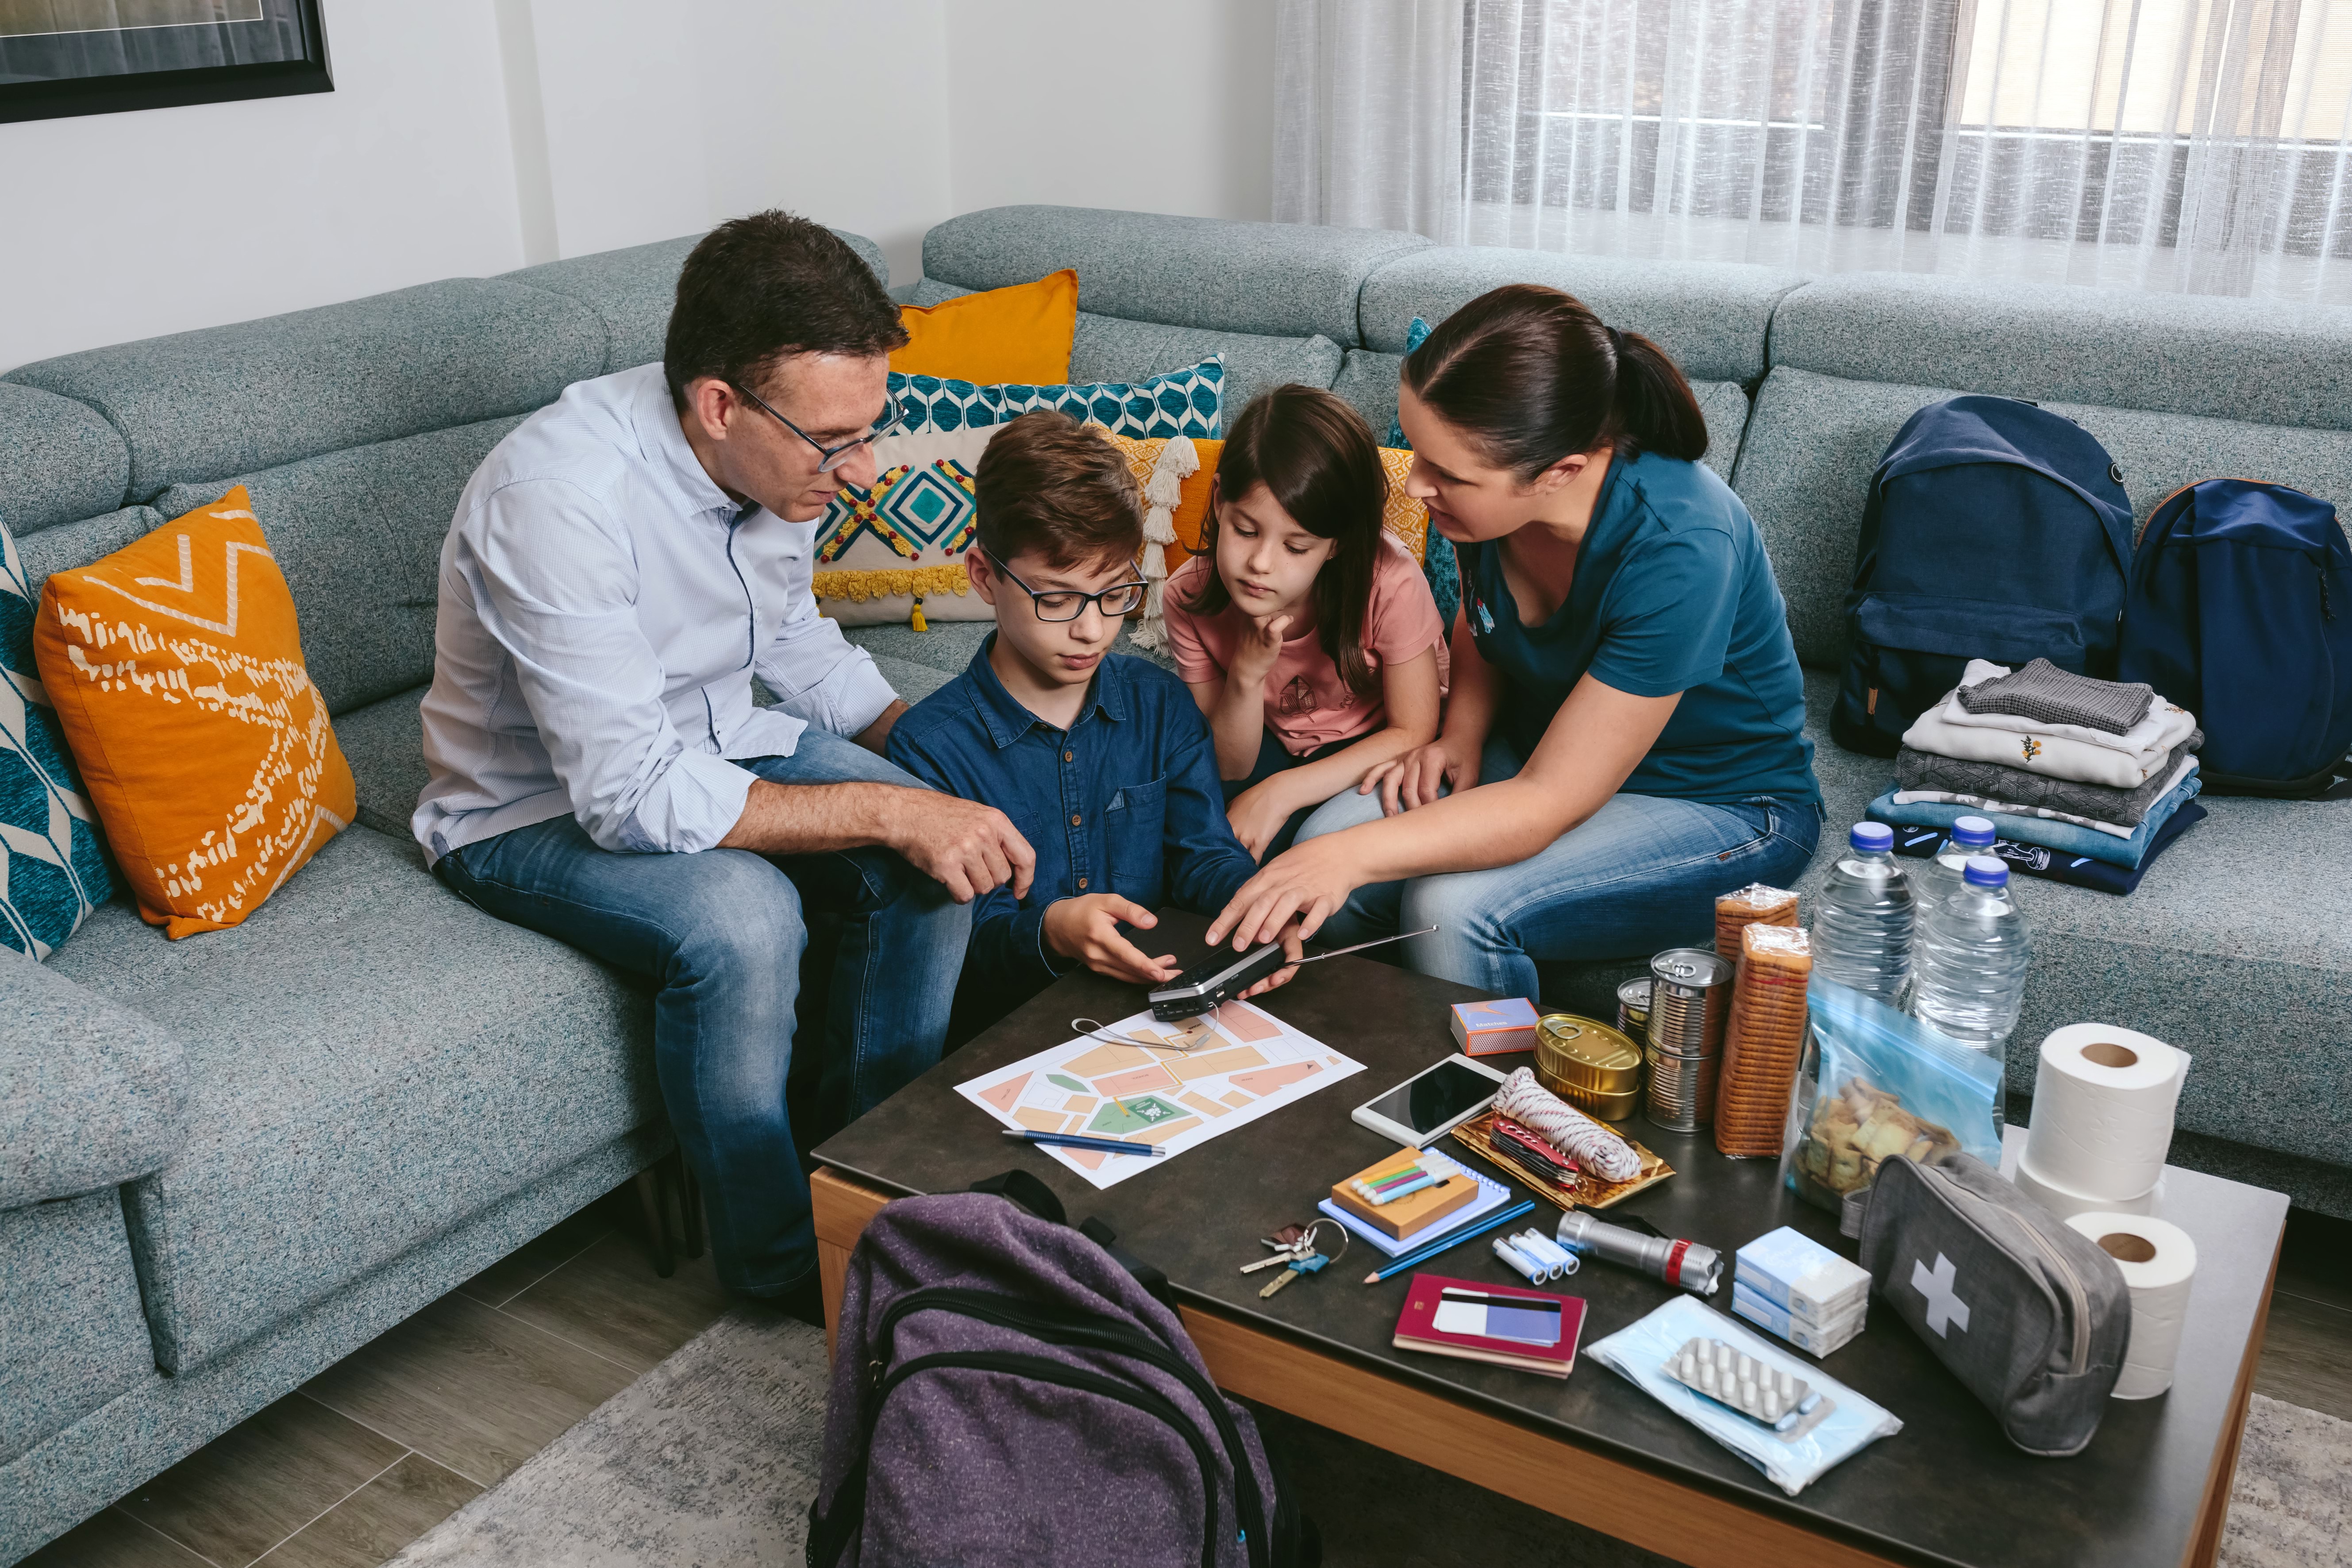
(1308, 635)
(1625, 737)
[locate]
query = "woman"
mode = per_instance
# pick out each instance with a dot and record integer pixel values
(1625, 737)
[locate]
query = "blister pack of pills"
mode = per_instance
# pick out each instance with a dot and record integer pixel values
(1769, 1396)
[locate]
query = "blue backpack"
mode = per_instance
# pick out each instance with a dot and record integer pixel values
(1994, 530)
(2240, 610)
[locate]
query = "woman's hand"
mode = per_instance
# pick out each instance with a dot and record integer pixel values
(1087, 928)
(1307, 882)
(1291, 945)
(1254, 654)
(1257, 814)
(1422, 775)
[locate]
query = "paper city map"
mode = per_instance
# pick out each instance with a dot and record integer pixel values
(1214, 1073)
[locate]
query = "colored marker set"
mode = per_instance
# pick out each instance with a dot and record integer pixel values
(1536, 1256)
(1382, 1190)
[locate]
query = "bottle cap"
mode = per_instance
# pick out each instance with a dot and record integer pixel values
(1984, 871)
(1871, 835)
(1973, 830)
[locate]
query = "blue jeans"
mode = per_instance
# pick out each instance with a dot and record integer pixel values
(720, 933)
(1639, 875)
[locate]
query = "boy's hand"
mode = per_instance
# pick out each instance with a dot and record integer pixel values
(1087, 928)
(966, 847)
(1254, 655)
(1257, 814)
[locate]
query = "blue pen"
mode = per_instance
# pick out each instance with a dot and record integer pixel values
(1073, 1141)
(1415, 1258)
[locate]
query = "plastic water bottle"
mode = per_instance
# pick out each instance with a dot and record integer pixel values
(1861, 929)
(1938, 880)
(1971, 962)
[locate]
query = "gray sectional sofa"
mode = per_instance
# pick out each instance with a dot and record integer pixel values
(226, 1163)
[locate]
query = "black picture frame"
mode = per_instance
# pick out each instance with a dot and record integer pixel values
(116, 92)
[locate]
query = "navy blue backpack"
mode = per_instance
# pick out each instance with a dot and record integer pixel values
(1994, 530)
(2240, 610)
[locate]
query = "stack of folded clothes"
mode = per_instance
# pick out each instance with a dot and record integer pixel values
(2087, 770)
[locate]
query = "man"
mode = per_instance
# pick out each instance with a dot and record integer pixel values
(619, 568)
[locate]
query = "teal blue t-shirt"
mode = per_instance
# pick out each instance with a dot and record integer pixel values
(1673, 592)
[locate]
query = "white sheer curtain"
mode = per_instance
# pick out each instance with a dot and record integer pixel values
(2181, 145)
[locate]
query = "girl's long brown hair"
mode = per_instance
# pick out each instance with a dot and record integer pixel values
(1317, 458)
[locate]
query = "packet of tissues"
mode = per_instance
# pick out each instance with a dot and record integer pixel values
(1643, 1353)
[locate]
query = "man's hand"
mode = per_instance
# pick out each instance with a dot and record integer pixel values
(1290, 898)
(1421, 776)
(1087, 928)
(1257, 814)
(966, 847)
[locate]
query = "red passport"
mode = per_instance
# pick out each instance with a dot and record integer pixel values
(1530, 1330)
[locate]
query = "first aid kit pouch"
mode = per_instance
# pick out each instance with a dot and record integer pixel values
(1640, 1353)
(2028, 1313)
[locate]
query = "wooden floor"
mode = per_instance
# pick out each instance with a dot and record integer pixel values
(375, 1451)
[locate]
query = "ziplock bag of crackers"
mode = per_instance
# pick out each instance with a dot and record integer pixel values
(1875, 1083)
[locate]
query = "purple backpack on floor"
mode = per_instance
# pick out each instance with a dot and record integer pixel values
(1009, 1390)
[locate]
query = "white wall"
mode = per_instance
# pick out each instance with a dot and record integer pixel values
(473, 136)
(115, 227)
(1167, 107)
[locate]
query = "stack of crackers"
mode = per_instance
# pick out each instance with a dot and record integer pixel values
(1754, 904)
(1765, 1039)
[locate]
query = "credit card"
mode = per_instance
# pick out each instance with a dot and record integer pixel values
(1513, 1318)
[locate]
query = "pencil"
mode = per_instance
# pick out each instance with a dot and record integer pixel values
(1455, 1238)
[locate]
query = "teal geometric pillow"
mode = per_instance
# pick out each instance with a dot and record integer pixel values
(1180, 402)
(1437, 563)
(53, 865)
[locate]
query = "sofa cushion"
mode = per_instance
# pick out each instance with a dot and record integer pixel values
(71, 1336)
(201, 408)
(384, 742)
(92, 1094)
(632, 292)
(1110, 348)
(1711, 316)
(1274, 280)
(371, 1061)
(71, 544)
(358, 534)
(64, 460)
(1814, 440)
(2264, 362)
(1369, 380)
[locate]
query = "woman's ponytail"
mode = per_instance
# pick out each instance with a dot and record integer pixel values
(1533, 375)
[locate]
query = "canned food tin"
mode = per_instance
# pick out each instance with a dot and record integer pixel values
(1690, 1002)
(1682, 1090)
(1586, 1053)
(1601, 1106)
(1633, 1008)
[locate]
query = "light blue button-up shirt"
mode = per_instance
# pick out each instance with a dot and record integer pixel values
(603, 609)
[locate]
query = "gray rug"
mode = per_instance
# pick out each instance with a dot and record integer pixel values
(709, 1461)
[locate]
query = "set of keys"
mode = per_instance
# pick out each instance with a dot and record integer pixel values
(1294, 1253)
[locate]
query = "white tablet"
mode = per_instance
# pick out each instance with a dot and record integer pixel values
(1432, 1102)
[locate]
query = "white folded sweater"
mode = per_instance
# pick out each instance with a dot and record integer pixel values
(2057, 750)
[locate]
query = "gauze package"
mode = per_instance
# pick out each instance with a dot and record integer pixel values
(1877, 1083)
(1640, 1353)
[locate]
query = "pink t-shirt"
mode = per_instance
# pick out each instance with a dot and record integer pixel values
(1307, 703)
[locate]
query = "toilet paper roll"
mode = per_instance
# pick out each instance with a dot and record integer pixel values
(2103, 1102)
(2159, 1265)
(2065, 1203)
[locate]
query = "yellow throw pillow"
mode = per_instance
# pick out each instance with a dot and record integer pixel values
(1404, 517)
(1020, 334)
(176, 667)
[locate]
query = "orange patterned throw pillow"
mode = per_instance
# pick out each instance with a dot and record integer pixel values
(176, 670)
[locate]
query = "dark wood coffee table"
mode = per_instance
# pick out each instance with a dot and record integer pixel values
(2152, 1489)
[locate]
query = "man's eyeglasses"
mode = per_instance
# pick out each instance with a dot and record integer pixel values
(1069, 604)
(831, 458)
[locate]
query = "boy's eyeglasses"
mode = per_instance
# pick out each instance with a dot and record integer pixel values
(830, 457)
(1069, 604)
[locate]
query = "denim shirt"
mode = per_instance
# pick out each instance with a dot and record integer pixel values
(1125, 801)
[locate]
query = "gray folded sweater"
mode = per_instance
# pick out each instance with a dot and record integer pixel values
(1915, 769)
(2041, 691)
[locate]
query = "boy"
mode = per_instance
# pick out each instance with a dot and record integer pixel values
(1102, 759)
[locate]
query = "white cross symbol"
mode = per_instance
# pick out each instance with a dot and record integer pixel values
(1944, 1304)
